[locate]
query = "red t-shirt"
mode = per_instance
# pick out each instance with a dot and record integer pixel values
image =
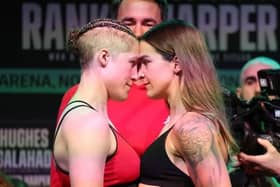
(138, 119)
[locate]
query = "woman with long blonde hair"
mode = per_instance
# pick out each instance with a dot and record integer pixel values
(195, 144)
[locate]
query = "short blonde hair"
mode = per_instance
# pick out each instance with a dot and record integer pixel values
(99, 34)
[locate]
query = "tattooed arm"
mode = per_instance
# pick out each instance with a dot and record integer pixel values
(197, 144)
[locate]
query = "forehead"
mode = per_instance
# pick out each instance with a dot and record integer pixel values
(253, 69)
(132, 52)
(146, 48)
(139, 9)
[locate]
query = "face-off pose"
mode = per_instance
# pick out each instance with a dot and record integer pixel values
(194, 146)
(138, 119)
(88, 149)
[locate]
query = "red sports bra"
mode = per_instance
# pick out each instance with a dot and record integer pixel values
(121, 168)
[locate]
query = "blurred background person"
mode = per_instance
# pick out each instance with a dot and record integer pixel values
(251, 119)
(249, 84)
(268, 163)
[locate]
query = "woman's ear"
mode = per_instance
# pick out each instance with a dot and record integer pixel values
(177, 66)
(104, 57)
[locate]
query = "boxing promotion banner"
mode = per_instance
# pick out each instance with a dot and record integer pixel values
(25, 152)
(36, 67)
(20, 80)
(234, 32)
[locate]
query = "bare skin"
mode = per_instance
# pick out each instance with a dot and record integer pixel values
(193, 146)
(268, 163)
(197, 144)
(139, 15)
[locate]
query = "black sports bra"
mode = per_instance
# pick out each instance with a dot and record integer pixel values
(157, 169)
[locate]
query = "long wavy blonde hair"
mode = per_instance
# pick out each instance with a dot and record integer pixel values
(200, 89)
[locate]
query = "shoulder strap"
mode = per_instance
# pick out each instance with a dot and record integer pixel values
(68, 109)
(83, 104)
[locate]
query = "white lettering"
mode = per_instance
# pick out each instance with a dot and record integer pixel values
(37, 180)
(252, 27)
(31, 25)
(24, 138)
(186, 13)
(47, 26)
(207, 23)
(267, 25)
(25, 159)
(53, 27)
(228, 25)
(73, 19)
(247, 27)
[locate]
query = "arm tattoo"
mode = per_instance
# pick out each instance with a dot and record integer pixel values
(198, 143)
(196, 139)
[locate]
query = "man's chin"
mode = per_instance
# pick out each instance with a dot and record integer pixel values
(152, 95)
(122, 97)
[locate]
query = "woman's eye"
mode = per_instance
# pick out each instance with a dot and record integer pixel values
(145, 62)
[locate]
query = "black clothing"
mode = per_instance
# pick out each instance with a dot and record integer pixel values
(157, 169)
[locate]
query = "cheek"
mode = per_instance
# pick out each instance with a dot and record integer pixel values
(150, 71)
(248, 92)
(122, 72)
(126, 68)
(247, 89)
(251, 88)
(160, 75)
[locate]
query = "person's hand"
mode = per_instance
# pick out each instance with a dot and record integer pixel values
(233, 163)
(268, 163)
